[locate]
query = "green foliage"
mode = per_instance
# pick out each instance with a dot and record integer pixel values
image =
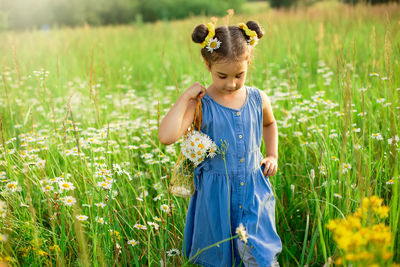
(152, 10)
(20, 14)
(333, 86)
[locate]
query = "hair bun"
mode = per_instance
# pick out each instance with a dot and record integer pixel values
(199, 33)
(254, 26)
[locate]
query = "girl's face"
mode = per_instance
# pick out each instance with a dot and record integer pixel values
(228, 76)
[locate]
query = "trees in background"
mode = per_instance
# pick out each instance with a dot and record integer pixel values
(20, 14)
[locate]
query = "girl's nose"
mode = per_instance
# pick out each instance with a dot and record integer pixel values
(231, 84)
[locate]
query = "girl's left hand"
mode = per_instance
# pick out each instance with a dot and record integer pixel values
(271, 166)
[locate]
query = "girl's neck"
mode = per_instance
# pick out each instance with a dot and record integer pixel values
(234, 100)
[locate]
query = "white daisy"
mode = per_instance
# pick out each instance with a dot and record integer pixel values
(132, 242)
(213, 44)
(69, 200)
(253, 41)
(165, 208)
(241, 231)
(67, 186)
(82, 217)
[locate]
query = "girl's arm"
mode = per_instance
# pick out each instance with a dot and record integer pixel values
(181, 115)
(270, 136)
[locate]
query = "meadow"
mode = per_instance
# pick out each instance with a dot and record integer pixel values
(84, 179)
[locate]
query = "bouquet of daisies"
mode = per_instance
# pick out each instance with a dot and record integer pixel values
(195, 147)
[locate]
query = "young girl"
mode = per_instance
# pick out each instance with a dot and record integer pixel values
(235, 191)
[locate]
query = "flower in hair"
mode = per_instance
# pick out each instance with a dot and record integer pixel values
(253, 39)
(210, 42)
(213, 44)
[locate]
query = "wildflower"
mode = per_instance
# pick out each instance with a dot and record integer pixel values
(132, 242)
(337, 195)
(100, 220)
(158, 197)
(213, 44)
(346, 167)
(69, 200)
(196, 145)
(3, 237)
(333, 135)
(140, 226)
(334, 158)
(155, 225)
(173, 252)
(157, 219)
(377, 136)
(67, 186)
(105, 185)
(47, 188)
(241, 231)
(100, 205)
(165, 208)
(82, 217)
(13, 187)
(374, 74)
(380, 100)
(357, 147)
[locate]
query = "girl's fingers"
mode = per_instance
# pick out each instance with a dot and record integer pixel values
(273, 171)
(267, 167)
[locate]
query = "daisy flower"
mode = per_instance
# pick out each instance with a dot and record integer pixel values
(100, 205)
(241, 231)
(100, 220)
(165, 208)
(377, 136)
(173, 252)
(253, 41)
(105, 184)
(346, 167)
(140, 226)
(337, 195)
(213, 44)
(13, 186)
(132, 242)
(67, 186)
(82, 217)
(69, 200)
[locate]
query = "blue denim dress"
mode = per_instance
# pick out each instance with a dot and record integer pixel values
(233, 191)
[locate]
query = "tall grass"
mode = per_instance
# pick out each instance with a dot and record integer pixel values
(83, 106)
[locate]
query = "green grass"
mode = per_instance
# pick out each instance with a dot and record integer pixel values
(106, 90)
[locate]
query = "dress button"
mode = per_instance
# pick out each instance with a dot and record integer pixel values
(242, 160)
(251, 246)
(240, 206)
(240, 136)
(241, 183)
(238, 113)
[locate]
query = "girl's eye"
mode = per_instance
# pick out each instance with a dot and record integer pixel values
(222, 77)
(239, 76)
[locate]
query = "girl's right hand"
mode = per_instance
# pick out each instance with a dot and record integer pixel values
(194, 91)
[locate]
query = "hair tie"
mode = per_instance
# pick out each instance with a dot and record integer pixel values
(210, 42)
(250, 33)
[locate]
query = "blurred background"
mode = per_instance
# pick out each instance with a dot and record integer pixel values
(46, 14)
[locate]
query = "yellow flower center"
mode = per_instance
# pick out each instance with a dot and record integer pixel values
(213, 44)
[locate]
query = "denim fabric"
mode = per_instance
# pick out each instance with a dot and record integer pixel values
(233, 191)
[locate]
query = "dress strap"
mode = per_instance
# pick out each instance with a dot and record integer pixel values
(257, 96)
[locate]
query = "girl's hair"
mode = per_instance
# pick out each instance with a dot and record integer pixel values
(233, 42)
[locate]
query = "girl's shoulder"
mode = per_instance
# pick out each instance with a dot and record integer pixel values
(255, 93)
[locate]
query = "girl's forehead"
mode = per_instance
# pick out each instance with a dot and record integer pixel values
(236, 66)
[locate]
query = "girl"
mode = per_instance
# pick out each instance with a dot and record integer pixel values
(230, 190)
